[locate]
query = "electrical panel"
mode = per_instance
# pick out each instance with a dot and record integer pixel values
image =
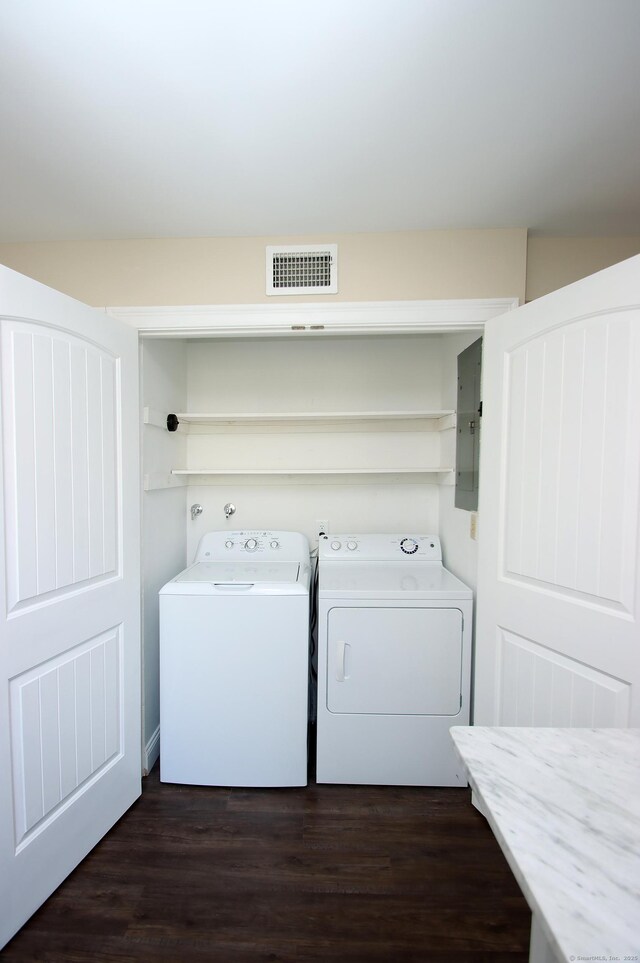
(469, 413)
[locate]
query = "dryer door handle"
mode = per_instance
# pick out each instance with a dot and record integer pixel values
(341, 661)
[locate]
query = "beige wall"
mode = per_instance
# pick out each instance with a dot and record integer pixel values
(396, 266)
(404, 265)
(553, 262)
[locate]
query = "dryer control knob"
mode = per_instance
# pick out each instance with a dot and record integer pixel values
(352, 546)
(250, 545)
(274, 544)
(336, 546)
(409, 546)
(228, 543)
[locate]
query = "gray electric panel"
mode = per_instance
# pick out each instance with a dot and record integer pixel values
(468, 426)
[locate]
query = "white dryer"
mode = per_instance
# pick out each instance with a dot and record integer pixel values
(234, 663)
(394, 661)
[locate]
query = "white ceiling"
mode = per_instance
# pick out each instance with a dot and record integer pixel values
(176, 118)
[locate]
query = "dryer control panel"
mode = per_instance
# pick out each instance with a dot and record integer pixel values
(380, 548)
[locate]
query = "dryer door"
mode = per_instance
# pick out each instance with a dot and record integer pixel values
(395, 661)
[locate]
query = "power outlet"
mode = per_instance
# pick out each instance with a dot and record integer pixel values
(322, 527)
(473, 525)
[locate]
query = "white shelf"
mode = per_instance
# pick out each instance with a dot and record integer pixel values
(335, 422)
(258, 418)
(311, 471)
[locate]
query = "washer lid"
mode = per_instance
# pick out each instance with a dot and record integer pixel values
(237, 578)
(390, 580)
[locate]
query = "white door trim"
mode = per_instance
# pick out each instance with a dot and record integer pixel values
(317, 319)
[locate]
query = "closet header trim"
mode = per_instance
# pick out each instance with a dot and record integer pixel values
(313, 320)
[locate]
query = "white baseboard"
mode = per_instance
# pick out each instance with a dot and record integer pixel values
(152, 751)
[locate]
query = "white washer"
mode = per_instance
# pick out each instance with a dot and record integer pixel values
(394, 660)
(234, 663)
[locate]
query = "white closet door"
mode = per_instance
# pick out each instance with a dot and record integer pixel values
(558, 640)
(69, 587)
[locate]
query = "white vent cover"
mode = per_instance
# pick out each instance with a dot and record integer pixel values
(302, 269)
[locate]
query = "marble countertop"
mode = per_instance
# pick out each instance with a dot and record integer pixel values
(564, 805)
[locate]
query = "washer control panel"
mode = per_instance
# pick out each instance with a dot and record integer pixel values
(383, 548)
(264, 544)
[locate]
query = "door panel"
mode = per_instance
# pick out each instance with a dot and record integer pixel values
(64, 520)
(539, 687)
(70, 563)
(66, 722)
(404, 661)
(558, 578)
(566, 455)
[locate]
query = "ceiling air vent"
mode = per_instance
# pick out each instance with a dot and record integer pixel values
(302, 269)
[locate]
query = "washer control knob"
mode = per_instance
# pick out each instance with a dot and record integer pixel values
(352, 546)
(409, 546)
(228, 543)
(250, 545)
(274, 544)
(336, 546)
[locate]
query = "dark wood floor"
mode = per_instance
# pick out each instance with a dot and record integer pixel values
(327, 873)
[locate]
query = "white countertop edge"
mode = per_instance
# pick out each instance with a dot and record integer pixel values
(567, 925)
(514, 866)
